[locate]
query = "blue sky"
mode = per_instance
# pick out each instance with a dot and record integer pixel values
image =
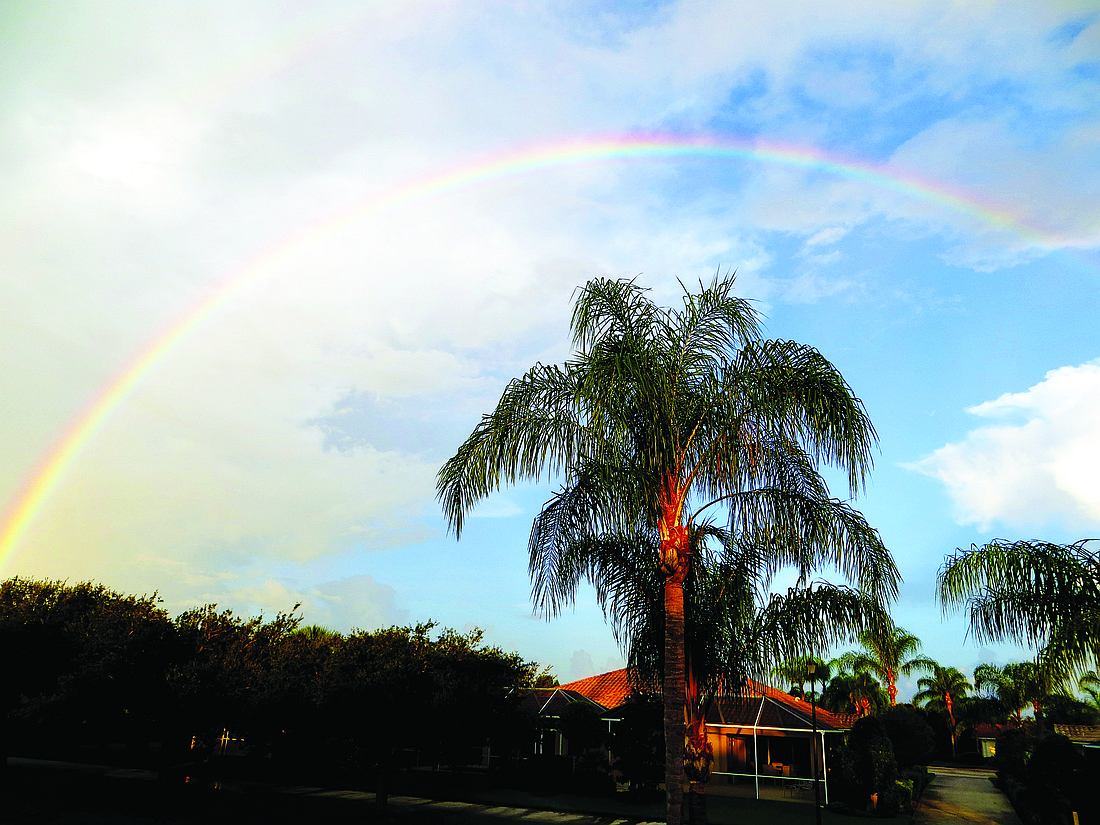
(284, 449)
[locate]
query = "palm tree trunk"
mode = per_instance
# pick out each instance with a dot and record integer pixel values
(697, 803)
(698, 759)
(950, 702)
(673, 694)
(1040, 721)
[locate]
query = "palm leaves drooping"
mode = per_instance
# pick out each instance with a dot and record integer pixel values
(887, 653)
(1089, 685)
(1031, 592)
(658, 411)
(735, 628)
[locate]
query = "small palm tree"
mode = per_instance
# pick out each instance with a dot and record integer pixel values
(888, 651)
(796, 672)
(1020, 684)
(940, 690)
(852, 693)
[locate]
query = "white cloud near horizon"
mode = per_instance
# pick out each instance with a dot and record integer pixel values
(1036, 463)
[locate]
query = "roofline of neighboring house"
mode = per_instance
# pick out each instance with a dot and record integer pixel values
(801, 708)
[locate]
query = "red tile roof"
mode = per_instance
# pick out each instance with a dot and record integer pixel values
(609, 689)
(612, 689)
(988, 731)
(1080, 733)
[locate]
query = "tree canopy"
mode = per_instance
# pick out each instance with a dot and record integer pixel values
(658, 415)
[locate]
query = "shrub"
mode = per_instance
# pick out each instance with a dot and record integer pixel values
(904, 790)
(919, 776)
(868, 768)
(1011, 757)
(1055, 776)
(910, 735)
(638, 744)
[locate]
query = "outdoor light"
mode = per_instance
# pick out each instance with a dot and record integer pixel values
(813, 741)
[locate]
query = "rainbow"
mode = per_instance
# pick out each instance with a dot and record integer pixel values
(46, 476)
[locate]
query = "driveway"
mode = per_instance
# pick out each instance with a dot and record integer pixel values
(964, 795)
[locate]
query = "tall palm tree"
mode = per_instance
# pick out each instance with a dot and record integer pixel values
(1031, 592)
(657, 415)
(940, 690)
(887, 653)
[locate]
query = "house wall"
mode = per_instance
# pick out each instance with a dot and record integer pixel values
(778, 753)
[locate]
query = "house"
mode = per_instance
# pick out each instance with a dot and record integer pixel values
(987, 735)
(1086, 738)
(762, 740)
(548, 704)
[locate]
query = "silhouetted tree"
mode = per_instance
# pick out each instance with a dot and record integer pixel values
(638, 744)
(88, 662)
(910, 734)
(868, 767)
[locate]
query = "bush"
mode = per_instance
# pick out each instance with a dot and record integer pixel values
(918, 776)
(1011, 757)
(1055, 777)
(904, 790)
(868, 769)
(910, 735)
(638, 744)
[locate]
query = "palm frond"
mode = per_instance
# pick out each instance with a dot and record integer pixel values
(1032, 592)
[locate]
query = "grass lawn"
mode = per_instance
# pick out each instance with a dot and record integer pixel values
(45, 797)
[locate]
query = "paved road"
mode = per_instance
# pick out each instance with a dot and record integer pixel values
(961, 795)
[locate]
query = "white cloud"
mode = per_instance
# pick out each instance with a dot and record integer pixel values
(830, 235)
(1036, 470)
(1018, 216)
(581, 666)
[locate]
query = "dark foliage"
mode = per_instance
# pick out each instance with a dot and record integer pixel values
(581, 725)
(909, 733)
(638, 744)
(868, 769)
(978, 710)
(1011, 757)
(1056, 780)
(110, 677)
(1065, 710)
(91, 662)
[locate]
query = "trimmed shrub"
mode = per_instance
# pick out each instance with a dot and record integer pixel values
(1011, 757)
(910, 735)
(868, 770)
